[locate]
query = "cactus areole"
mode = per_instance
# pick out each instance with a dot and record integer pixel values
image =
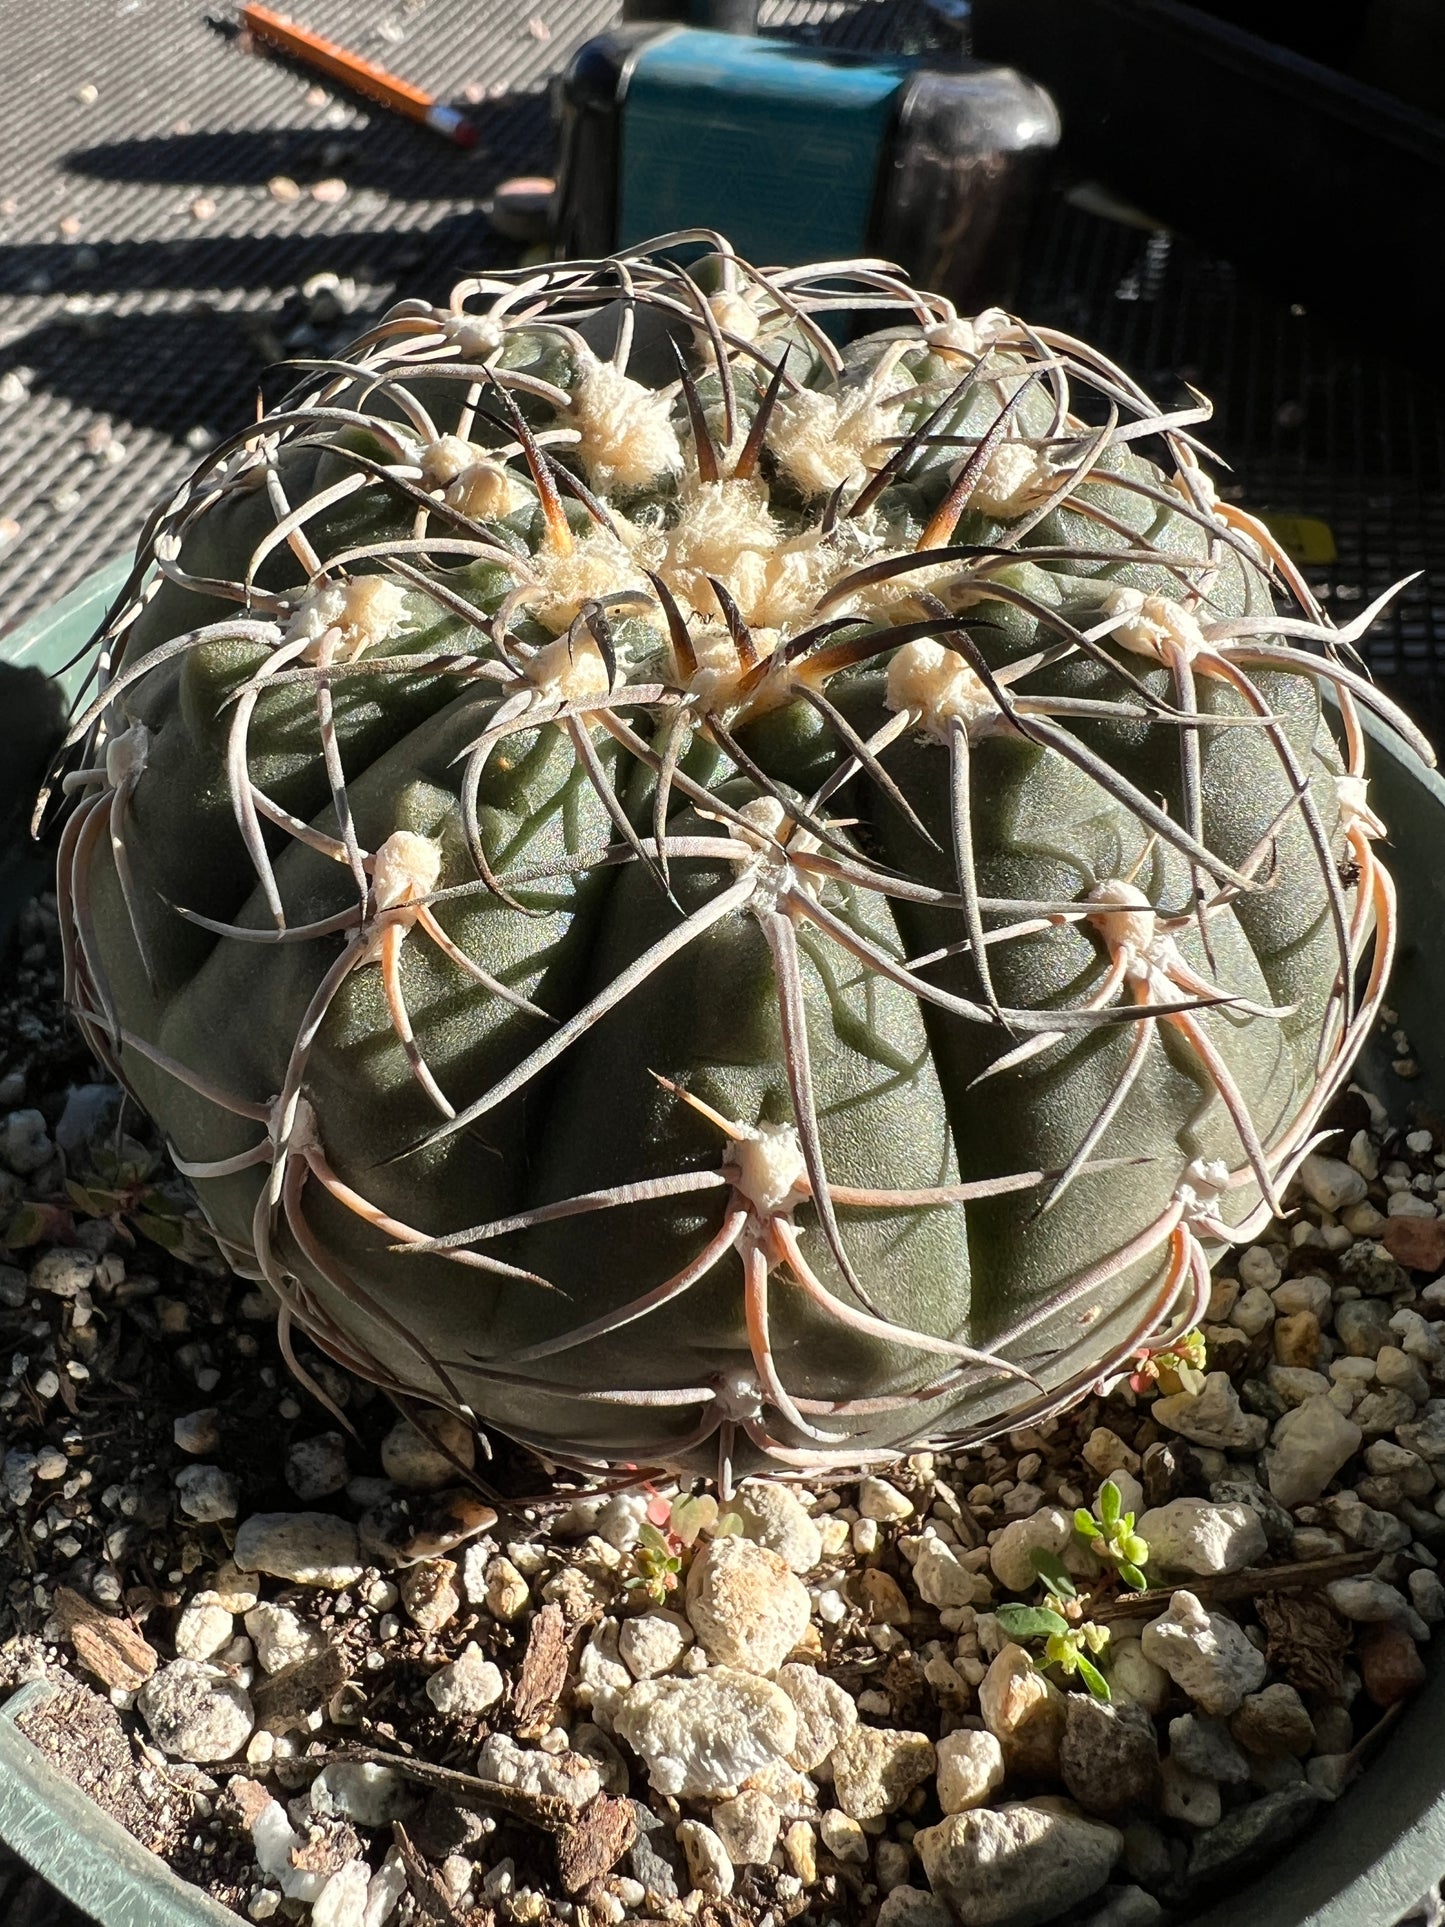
(717, 901)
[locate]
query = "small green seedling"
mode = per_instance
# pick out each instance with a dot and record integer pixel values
(1113, 1537)
(120, 1186)
(690, 1516)
(657, 1561)
(1065, 1646)
(1180, 1368)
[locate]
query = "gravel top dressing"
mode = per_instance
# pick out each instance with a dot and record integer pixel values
(337, 1667)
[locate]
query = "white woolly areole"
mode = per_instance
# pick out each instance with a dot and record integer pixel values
(126, 754)
(938, 686)
(1196, 487)
(1158, 627)
(486, 491)
(476, 337)
(599, 566)
(627, 439)
(368, 610)
(1353, 792)
(305, 1131)
(822, 439)
(719, 667)
(738, 1393)
(796, 577)
(970, 335)
(446, 458)
(1135, 926)
(1202, 1183)
(1014, 479)
(404, 868)
(736, 313)
(764, 813)
(771, 1173)
(726, 529)
(570, 668)
(471, 479)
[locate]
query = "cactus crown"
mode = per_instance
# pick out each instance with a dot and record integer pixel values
(708, 896)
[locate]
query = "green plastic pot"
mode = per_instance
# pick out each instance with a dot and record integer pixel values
(1363, 1863)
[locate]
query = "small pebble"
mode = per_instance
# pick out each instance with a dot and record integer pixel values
(429, 1594)
(281, 1636)
(365, 1792)
(876, 1768)
(1206, 1654)
(198, 1432)
(706, 1736)
(316, 1467)
(774, 1517)
(308, 1548)
(412, 1459)
(203, 1629)
(467, 1687)
(877, 1499)
(748, 1826)
(25, 1144)
(193, 1712)
(970, 1768)
(206, 1493)
(825, 1714)
(745, 1605)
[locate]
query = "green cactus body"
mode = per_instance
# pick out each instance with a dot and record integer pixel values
(712, 901)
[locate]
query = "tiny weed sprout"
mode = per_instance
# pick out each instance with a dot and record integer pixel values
(129, 1189)
(1179, 1368)
(691, 1516)
(1113, 1538)
(716, 901)
(1071, 1648)
(657, 1561)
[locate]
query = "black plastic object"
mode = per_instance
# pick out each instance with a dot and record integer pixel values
(958, 186)
(723, 16)
(1329, 189)
(957, 154)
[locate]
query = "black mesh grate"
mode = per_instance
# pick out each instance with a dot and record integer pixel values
(151, 272)
(1315, 420)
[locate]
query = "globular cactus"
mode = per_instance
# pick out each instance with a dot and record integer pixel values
(711, 899)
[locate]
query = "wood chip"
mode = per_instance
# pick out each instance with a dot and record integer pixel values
(1302, 1575)
(595, 1841)
(110, 1649)
(244, 1801)
(431, 1897)
(534, 1810)
(1306, 1639)
(544, 1671)
(283, 1701)
(326, 1851)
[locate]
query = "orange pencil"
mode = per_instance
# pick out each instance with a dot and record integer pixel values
(362, 75)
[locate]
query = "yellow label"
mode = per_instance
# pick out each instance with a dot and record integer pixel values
(1302, 537)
